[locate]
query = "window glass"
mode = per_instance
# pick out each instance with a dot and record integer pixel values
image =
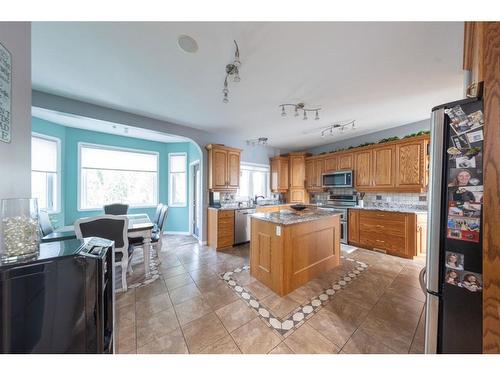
(177, 195)
(117, 176)
(254, 180)
(45, 172)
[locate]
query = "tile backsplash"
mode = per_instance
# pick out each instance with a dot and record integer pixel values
(418, 200)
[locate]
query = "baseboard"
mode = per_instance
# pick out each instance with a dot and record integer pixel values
(176, 232)
(202, 242)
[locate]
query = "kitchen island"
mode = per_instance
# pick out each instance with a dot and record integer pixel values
(289, 248)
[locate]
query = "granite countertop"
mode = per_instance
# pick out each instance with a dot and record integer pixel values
(288, 217)
(235, 207)
(392, 209)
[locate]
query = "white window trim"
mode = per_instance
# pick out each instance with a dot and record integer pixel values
(170, 179)
(58, 172)
(106, 147)
(264, 168)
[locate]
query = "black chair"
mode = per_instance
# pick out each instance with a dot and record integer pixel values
(112, 228)
(156, 217)
(44, 222)
(157, 232)
(116, 209)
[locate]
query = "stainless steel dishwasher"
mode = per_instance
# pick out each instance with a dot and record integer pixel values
(242, 225)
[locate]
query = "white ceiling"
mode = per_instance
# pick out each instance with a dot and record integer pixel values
(380, 74)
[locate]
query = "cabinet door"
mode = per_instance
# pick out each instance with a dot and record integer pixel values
(353, 226)
(363, 169)
(297, 172)
(274, 174)
(233, 170)
(319, 168)
(331, 163)
(384, 166)
(345, 161)
(283, 175)
(219, 169)
(410, 166)
(310, 176)
(297, 195)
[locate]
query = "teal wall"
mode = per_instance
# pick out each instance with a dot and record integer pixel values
(178, 217)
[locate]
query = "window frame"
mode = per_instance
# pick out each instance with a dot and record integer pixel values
(170, 203)
(258, 167)
(115, 148)
(58, 170)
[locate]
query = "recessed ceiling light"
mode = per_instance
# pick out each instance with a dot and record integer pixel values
(187, 44)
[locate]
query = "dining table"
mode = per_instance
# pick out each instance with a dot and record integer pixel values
(139, 225)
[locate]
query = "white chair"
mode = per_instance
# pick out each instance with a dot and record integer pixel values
(110, 227)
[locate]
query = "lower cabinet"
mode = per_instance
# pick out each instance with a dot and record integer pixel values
(220, 228)
(396, 233)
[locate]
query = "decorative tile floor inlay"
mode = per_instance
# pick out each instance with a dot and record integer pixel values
(294, 320)
(137, 278)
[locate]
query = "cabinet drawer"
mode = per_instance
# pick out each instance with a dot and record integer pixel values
(225, 241)
(396, 244)
(225, 214)
(391, 227)
(382, 215)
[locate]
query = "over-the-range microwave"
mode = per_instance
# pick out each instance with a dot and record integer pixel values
(337, 179)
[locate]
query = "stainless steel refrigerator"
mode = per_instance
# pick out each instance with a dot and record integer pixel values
(454, 259)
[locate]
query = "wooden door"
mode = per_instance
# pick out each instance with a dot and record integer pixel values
(310, 176)
(319, 168)
(297, 172)
(233, 169)
(297, 196)
(345, 161)
(331, 163)
(409, 166)
(353, 226)
(363, 169)
(219, 169)
(383, 166)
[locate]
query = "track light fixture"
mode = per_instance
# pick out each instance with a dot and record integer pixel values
(232, 70)
(332, 129)
(300, 107)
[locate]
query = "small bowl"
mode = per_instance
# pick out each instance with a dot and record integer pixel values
(298, 207)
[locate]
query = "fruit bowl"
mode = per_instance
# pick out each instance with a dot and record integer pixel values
(298, 207)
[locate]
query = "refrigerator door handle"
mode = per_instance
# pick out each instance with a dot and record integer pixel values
(437, 143)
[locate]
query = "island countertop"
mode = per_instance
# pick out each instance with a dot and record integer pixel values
(289, 217)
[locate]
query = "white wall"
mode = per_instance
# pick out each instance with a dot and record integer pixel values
(15, 157)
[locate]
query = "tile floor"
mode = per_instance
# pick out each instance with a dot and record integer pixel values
(191, 310)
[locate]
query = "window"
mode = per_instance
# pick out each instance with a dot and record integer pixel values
(254, 180)
(45, 172)
(177, 193)
(112, 175)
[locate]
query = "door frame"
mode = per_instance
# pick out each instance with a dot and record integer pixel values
(191, 198)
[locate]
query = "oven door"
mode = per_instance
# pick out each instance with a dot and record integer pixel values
(337, 179)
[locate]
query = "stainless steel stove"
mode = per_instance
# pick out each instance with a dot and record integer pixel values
(342, 203)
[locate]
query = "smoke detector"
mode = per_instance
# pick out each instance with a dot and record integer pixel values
(187, 44)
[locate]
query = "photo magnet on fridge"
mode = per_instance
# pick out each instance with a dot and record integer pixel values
(463, 229)
(473, 194)
(475, 136)
(465, 162)
(460, 141)
(465, 177)
(471, 281)
(454, 260)
(461, 122)
(452, 277)
(464, 209)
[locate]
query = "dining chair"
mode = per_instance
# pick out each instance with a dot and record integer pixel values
(156, 233)
(116, 209)
(112, 228)
(44, 223)
(157, 215)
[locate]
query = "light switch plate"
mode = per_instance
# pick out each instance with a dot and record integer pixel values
(278, 230)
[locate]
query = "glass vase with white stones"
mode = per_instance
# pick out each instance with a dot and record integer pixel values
(19, 229)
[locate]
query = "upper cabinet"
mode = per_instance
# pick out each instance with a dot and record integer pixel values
(315, 167)
(223, 168)
(297, 177)
(279, 174)
(345, 161)
(473, 51)
(400, 166)
(330, 163)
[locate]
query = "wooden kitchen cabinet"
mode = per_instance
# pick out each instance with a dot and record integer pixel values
(297, 178)
(330, 163)
(220, 228)
(315, 168)
(345, 161)
(279, 174)
(223, 168)
(363, 169)
(383, 166)
(412, 164)
(396, 233)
